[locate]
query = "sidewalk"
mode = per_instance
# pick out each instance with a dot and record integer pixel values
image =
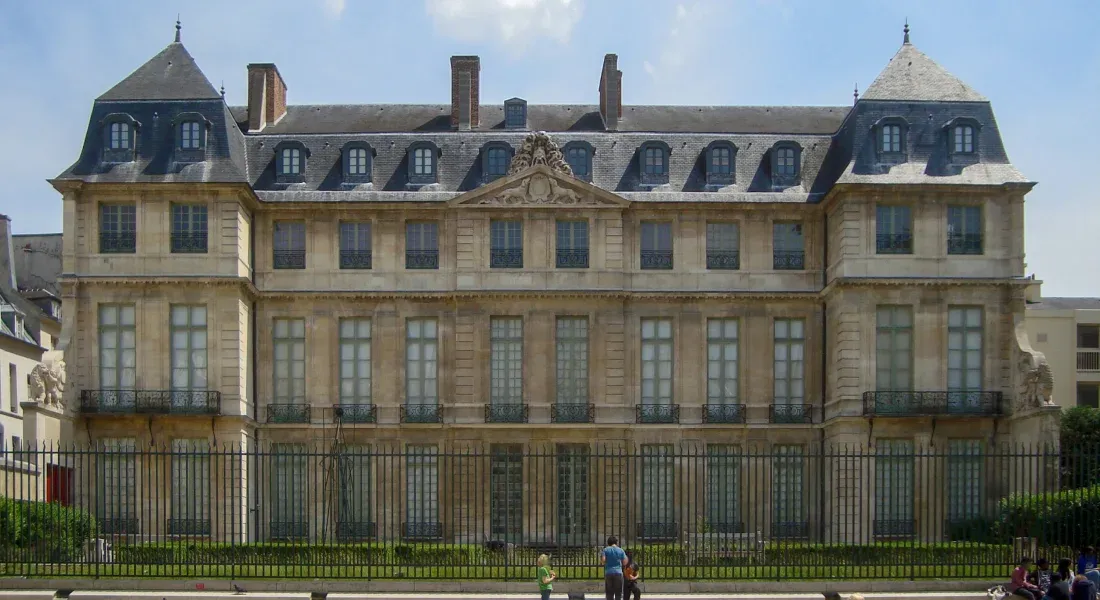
(155, 595)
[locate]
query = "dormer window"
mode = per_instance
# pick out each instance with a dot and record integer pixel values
(786, 162)
(189, 135)
(962, 135)
(423, 163)
(191, 128)
(964, 139)
(358, 158)
(654, 159)
(290, 162)
(515, 114)
(119, 137)
(891, 138)
(719, 163)
(495, 159)
(579, 156)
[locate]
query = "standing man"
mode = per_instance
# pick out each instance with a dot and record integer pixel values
(613, 560)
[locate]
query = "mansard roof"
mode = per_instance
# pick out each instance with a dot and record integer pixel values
(912, 75)
(170, 75)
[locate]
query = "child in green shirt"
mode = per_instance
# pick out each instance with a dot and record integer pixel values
(546, 577)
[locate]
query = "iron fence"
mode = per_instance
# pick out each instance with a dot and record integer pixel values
(330, 509)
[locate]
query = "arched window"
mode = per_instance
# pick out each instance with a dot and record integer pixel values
(654, 162)
(579, 156)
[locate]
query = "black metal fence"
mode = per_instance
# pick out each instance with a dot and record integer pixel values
(333, 510)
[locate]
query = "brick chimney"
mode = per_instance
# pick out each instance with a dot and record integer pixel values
(611, 92)
(7, 256)
(465, 92)
(266, 96)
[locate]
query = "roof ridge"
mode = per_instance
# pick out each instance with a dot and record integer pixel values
(913, 75)
(171, 74)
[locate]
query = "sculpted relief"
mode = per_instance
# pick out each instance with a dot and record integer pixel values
(1036, 385)
(47, 381)
(539, 189)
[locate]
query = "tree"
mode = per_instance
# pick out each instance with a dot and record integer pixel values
(1080, 444)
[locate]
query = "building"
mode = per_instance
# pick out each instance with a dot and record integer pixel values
(434, 279)
(1067, 331)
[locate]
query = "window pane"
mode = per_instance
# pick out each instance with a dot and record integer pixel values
(656, 361)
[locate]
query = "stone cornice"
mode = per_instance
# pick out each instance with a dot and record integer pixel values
(926, 282)
(69, 280)
(969, 189)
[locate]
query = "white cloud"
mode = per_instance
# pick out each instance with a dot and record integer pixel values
(511, 22)
(334, 8)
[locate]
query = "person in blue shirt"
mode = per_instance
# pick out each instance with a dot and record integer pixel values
(613, 560)
(1086, 565)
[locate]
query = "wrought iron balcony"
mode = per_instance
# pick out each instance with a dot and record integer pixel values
(118, 525)
(572, 259)
(904, 403)
(287, 413)
(289, 259)
(353, 531)
(422, 259)
(289, 530)
(894, 528)
(790, 530)
(723, 413)
(725, 527)
(355, 413)
(563, 412)
(196, 527)
(421, 413)
(788, 260)
(657, 259)
(964, 243)
(511, 258)
(791, 413)
(723, 260)
(189, 243)
(422, 531)
(894, 243)
(506, 413)
(355, 259)
(118, 243)
(657, 413)
(659, 531)
(154, 402)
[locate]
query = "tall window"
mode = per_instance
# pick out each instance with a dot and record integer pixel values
(964, 230)
(421, 362)
(506, 244)
(894, 348)
(506, 492)
(573, 494)
(290, 361)
(190, 135)
(117, 354)
(580, 160)
(656, 245)
(656, 369)
(963, 139)
(189, 228)
(423, 164)
(658, 512)
(894, 488)
(965, 480)
(722, 376)
(189, 366)
(422, 245)
(964, 357)
(785, 164)
(655, 164)
(117, 228)
(571, 385)
(723, 246)
(506, 360)
(355, 245)
(788, 501)
(422, 493)
(720, 164)
(891, 139)
(496, 162)
(291, 163)
(13, 390)
(120, 136)
(191, 489)
(788, 247)
(289, 494)
(358, 162)
(355, 366)
(572, 250)
(355, 515)
(289, 247)
(894, 234)
(515, 115)
(790, 339)
(723, 488)
(116, 491)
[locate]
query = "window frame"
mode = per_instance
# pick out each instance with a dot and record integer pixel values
(487, 152)
(429, 383)
(718, 178)
(788, 258)
(895, 488)
(723, 488)
(789, 340)
(656, 148)
(289, 465)
(788, 494)
(290, 333)
(506, 492)
(281, 174)
(879, 130)
(571, 255)
(423, 497)
(572, 335)
(121, 238)
(433, 152)
(351, 338)
(122, 371)
(952, 130)
(191, 495)
(185, 237)
(506, 364)
(658, 343)
(723, 248)
(510, 107)
(423, 258)
(966, 492)
(720, 341)
(783, 180)
(112, 154)
(191, 328)
(894, 329)
(589, 152)
(288, 246)
(346, 161)
(651, 253)
(962, 243)
(356, 244)
(965, 367)
(203, 126)
(657, 508)
(505, 250)
(893, 229)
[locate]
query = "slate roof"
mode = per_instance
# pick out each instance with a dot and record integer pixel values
(1065, 303)
(170, 75)
(911, 75)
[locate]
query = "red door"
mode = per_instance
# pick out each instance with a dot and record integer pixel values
(59, 483)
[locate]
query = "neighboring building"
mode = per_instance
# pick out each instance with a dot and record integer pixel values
(1067, 331)
(437, 278)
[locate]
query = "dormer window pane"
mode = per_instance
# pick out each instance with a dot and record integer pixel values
(655, 161)
(577, 157)
(891, 138)
(357, 161)
(422, 161)
(515, 116)
(291, 156)
(120, 136)
(496, 162)
(720, 161)
(964, 139)
(784, 162)
(189, 135)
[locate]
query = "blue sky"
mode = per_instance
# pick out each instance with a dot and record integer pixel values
(1037, 62)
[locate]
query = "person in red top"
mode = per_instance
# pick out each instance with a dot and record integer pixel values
(1020, 586)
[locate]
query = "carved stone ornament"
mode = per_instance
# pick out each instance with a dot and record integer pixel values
(47, 382)
(535, 190)
(1036, 379)
(539, 149)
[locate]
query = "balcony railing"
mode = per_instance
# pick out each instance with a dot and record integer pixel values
(155, 402)
(903, 403)
(1088, 360)
(506, 413)
(354, 531)
(118, 243)
(659, 531)
(894, 528)
(195, 527)
(289, 530)
(422, 259)
(287, 413)
(724, 413)
(422, 531)
(421, 413)
(894, 243)
(356, 413)
(723, 260)
(788, 260)
(572, 259)
(657, 413)
(657, 259)
(355, 259)
(791, 413)
(118, 525)
(965, 243)
(506, 258)
(289, 259)
(790, 530)
(189, 243)
(562, 412)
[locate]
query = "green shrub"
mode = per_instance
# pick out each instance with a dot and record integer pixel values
(1066, 518)
(43, 531)
(1080, 442)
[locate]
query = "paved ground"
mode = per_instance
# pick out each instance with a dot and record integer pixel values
(176, 595)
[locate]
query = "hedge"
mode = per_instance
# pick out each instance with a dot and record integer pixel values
(1067, 518)
(43, 531)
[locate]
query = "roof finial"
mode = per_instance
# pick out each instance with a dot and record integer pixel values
(855, 93)
(223, 90)
(178, 28)
(906, 40)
